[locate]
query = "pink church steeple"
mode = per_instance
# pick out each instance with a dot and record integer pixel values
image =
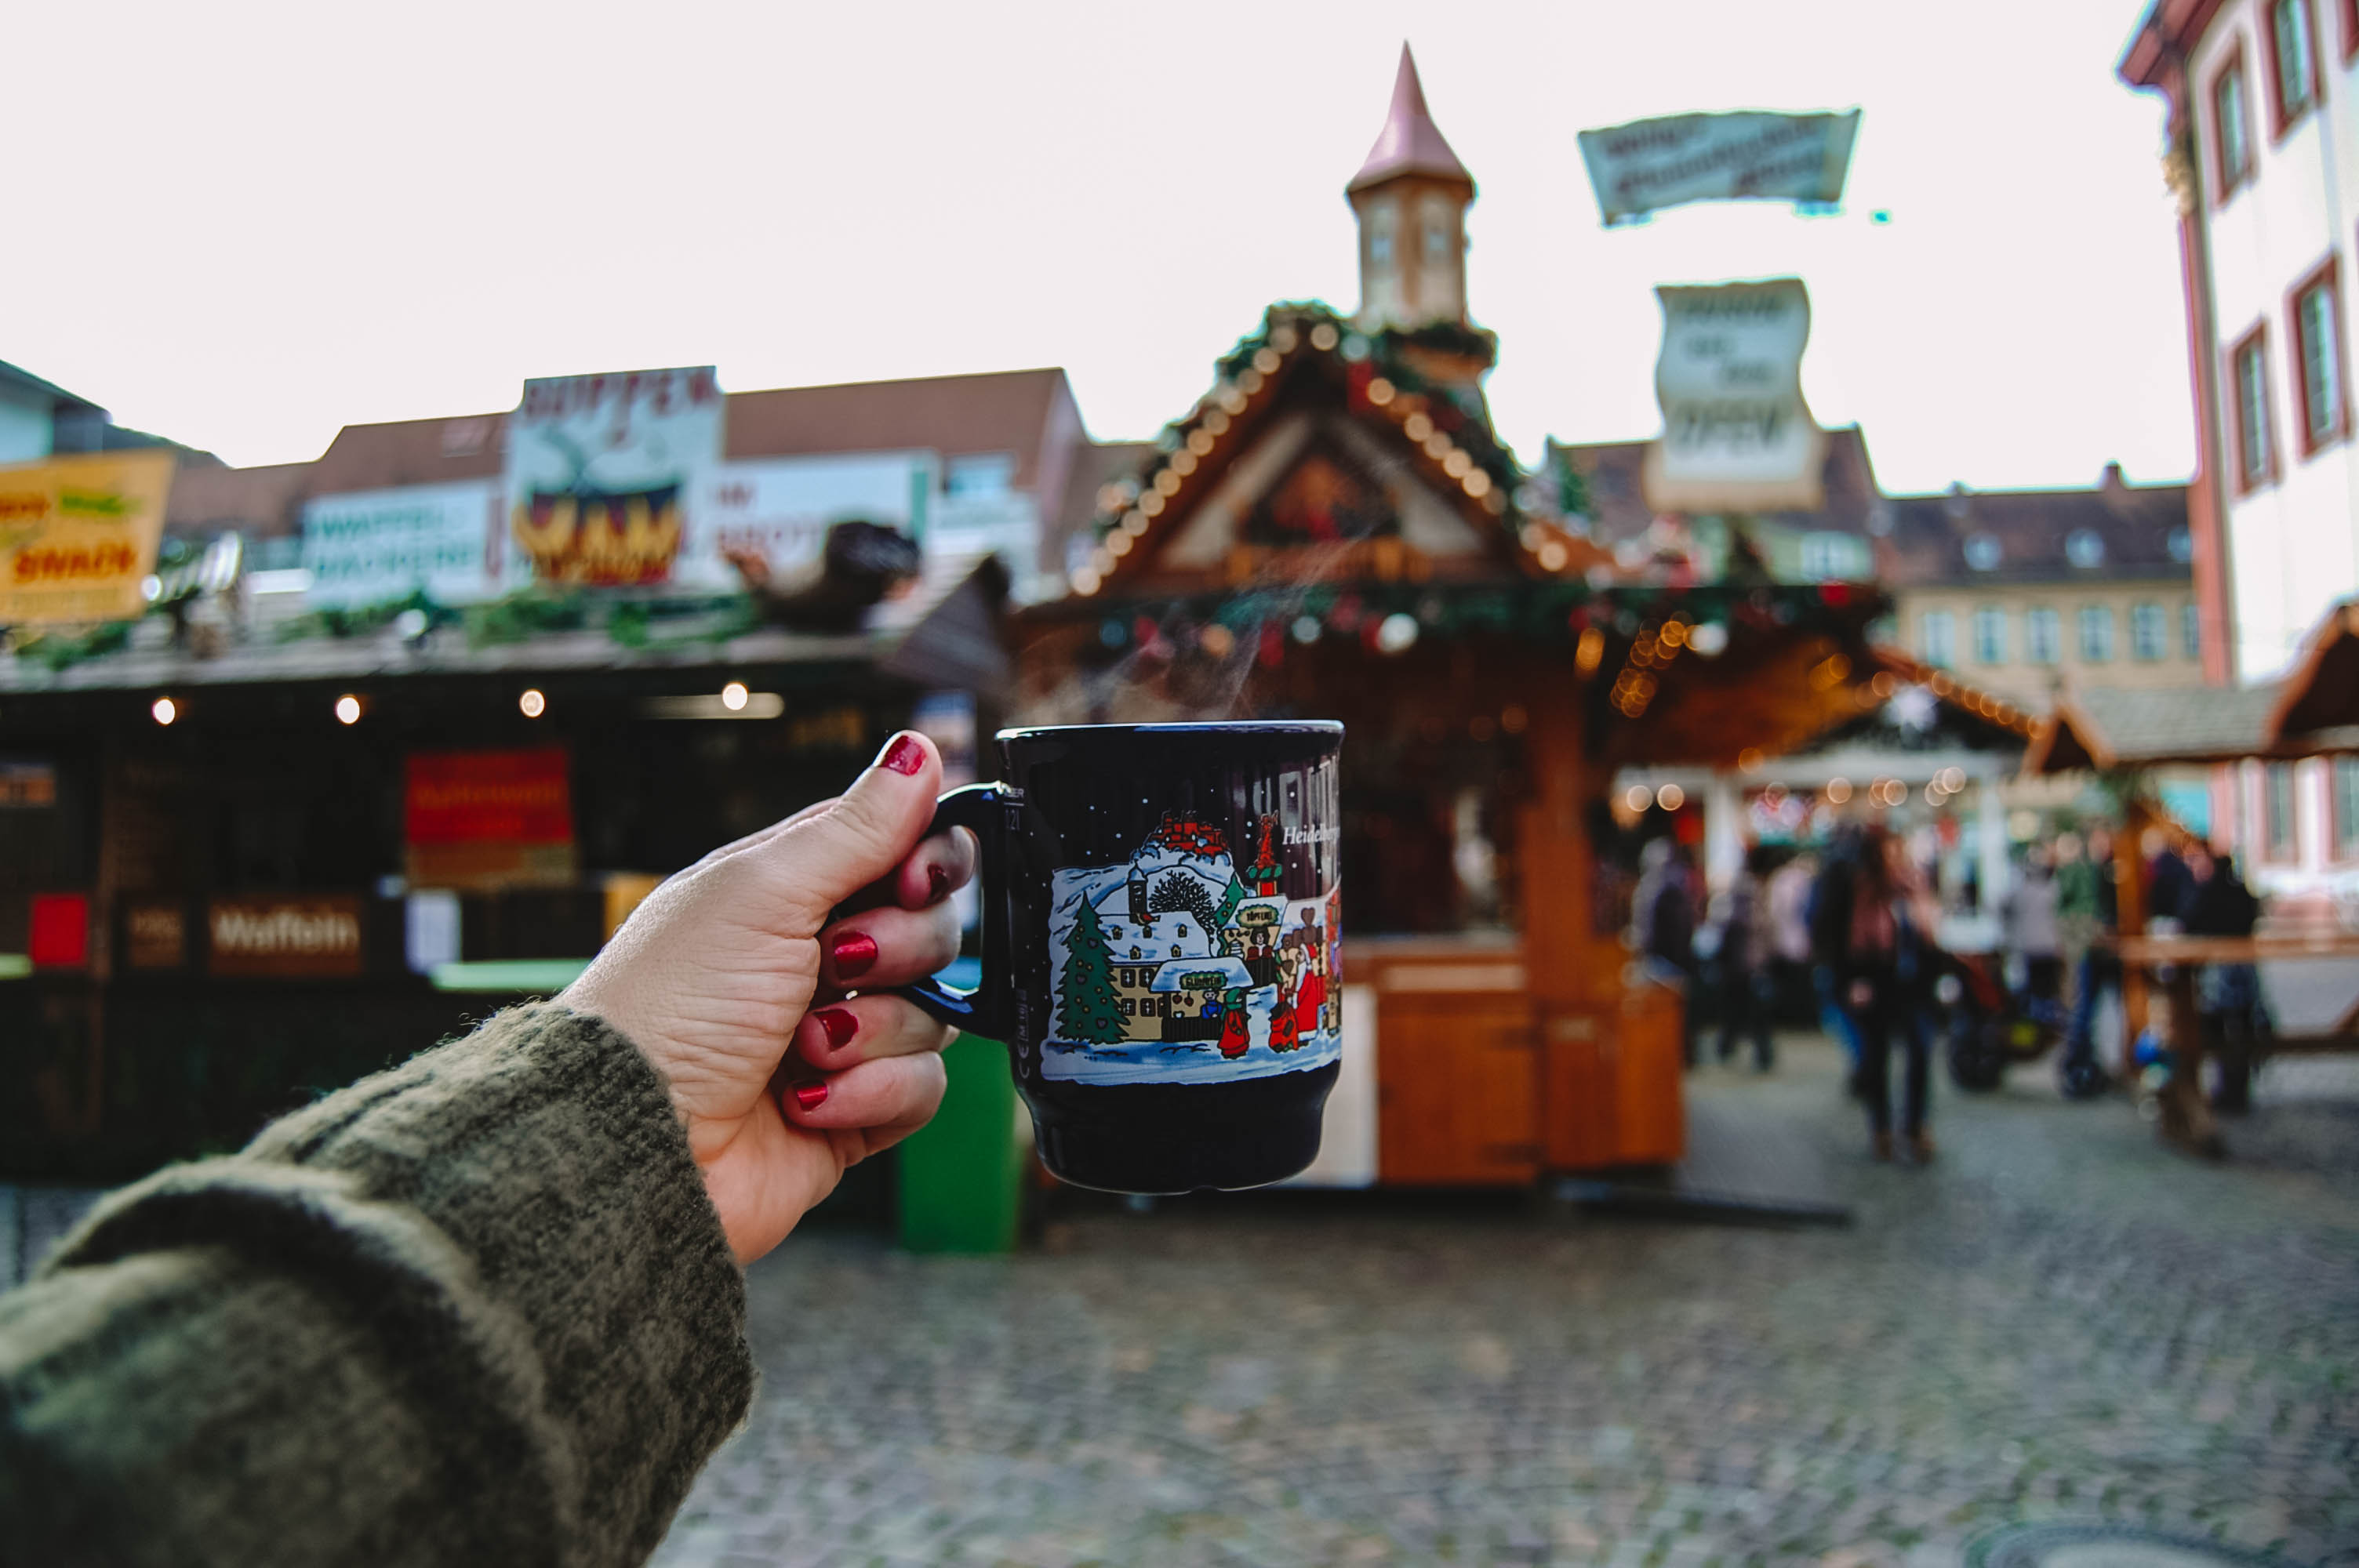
(1411, 197)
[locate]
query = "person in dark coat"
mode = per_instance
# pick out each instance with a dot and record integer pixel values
(1663, 923)
(1873, 924)
(2227, 996)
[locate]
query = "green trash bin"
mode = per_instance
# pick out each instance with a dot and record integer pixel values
(962, 1176)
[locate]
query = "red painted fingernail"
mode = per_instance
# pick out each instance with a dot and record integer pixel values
(853, 953)
(938, 882)
(810, 1097)
(905, 755)
(838, 1024)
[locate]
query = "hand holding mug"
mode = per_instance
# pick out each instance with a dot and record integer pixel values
(742, 959)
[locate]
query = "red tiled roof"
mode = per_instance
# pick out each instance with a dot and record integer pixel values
(2030, 535)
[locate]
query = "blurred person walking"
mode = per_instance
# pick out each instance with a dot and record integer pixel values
(1789, 899)
(1663, 926)
(1872, 925)
(2088, 906)
(2227, 996)
(1740, 921)
(2029, 916)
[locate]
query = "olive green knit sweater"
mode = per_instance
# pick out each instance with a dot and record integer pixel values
(476, 1309)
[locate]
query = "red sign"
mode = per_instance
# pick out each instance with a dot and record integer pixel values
(475, 798)
(60, 933)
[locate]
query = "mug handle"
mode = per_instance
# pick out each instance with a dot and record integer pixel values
(990, 811)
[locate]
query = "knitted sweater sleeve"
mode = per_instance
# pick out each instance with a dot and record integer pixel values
(476, 1309)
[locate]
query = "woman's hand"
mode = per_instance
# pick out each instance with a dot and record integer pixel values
(715, 976)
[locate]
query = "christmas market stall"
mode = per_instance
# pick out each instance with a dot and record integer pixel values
(2263, 742)
(280, 828)
(1334, 531)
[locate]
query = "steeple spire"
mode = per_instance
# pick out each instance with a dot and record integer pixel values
(1411, 141)
(1411, 198)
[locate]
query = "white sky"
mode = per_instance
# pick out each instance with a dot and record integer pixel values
(244, 224)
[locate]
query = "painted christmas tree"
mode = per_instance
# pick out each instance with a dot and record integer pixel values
(1229, 901)
(1088, 1008)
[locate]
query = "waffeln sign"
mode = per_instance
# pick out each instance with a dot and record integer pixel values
(1736, 434)
(280, 937)
(1649, 165)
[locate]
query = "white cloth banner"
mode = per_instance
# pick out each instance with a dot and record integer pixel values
(1648, 165)
(1736, 434)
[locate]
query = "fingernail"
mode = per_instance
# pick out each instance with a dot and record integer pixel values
(938, 882)
(905, 755)
(810, 1097)
(838, 1024)
(852, 955)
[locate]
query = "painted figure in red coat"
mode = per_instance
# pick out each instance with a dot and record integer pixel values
(1235, 1039)
(1311, 1000)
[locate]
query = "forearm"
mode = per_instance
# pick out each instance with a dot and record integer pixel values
(478, 1308)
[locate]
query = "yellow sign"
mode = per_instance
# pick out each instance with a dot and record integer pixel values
(78, 534)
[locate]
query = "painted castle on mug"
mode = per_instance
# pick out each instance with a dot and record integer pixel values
(1176, 967)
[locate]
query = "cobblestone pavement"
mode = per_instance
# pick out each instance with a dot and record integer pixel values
(2058, 1320)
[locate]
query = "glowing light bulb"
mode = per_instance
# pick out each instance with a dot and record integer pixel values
(348, 710)
(164, 710)
(733, 697)
(532, 704)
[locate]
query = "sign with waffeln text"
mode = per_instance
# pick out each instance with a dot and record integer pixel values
(278, 937)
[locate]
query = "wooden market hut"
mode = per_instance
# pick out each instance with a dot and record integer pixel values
(1334, 530)
(2312, 712)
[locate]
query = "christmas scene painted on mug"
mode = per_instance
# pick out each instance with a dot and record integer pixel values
(1179, 967)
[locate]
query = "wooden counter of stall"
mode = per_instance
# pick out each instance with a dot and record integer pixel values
(1458, 1072)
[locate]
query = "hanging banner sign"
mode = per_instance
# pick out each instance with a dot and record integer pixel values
(490, 818)
(780, 508)
(1736, 434)
(1648, 165)
(602, 471)
(277, 937)
(444, 540)
(78, 536)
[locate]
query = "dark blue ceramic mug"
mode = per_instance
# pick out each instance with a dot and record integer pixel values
(1161, 925)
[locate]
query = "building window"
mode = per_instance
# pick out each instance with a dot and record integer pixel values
(2097, 633)
(2346, 808)
(979, 473)
(2043, 635)
(2191, 631)
(1983, 551)
(1834, 557)
(2149, 634)
(2085, 548)
(2317, 343)
(2231, 129)
(2256, 457)
(2293, 61)
(1990, 635)
(1940, 629)
(2277, 811)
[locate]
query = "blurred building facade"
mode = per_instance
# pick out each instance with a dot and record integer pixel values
(2264, 155)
